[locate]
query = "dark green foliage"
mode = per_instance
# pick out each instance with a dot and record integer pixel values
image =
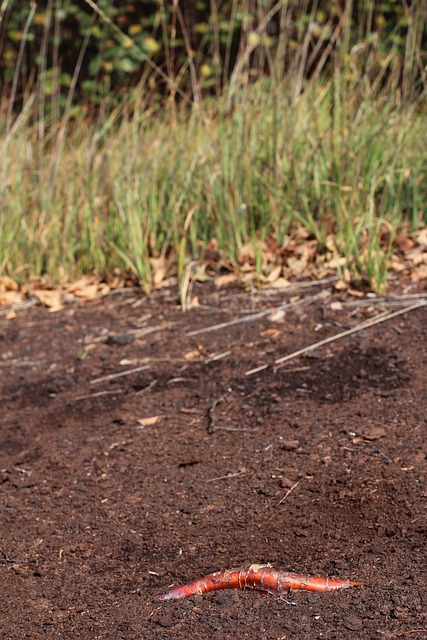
(203, 38)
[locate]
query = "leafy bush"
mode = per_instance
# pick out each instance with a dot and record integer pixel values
(249, 118)
(195, 46)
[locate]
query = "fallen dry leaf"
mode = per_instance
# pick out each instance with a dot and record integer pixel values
(222, 281)
(420, 258)
(340, 285)
(247, 271)
(420, 273)
(301, 233)
(396, 264)
(147, 422)
(87, 293)
(194, 303)
(167, 282)
(272, 333)
(278, 315)
(49, 297)
(116, 282)
(303, 255)
(88, 287)
(9, 297)
(158, 269)
(8, 284)
(356, 293)
(274, 275)
(336, 262)
(346, 275)
(421, 237)
(297, 265)
(247, 252)
(103, 288)
(82, 283)
(193, 355)
(280, 283)
(403, 242)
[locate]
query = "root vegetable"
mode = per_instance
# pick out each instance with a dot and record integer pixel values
(257, 577)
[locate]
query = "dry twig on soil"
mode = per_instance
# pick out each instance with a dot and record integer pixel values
(99, 394)
(387, 301)
(382, 317)
(294, 486)
(255, 316)
(112, 376)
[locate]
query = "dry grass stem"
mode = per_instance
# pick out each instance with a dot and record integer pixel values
(113, 376)
(254, 316)
(383, 317)
(294, 486)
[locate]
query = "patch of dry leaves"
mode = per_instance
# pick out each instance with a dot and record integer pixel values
(300, 256)
(263, 263)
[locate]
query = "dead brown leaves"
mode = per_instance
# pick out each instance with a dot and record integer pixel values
(413, 250)
(86, 288)
(266, 263)
(261, 263)
(9, 291)
(149, 422)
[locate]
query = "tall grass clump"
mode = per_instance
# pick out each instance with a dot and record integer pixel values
(314, 130)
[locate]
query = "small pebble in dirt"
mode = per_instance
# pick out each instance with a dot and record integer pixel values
(353, 623)
(375, 433)
(120, 339)
(164, 621)
(290, 445)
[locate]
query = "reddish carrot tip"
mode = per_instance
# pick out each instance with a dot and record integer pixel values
(173, 594)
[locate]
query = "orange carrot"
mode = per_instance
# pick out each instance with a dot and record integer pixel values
(257, 577)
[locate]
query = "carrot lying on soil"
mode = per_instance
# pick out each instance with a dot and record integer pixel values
(257, 577)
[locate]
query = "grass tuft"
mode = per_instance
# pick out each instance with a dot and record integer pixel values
(343, 154)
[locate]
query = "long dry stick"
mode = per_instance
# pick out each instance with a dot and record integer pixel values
(295, 287)
(99, 394)
(254, 316)
(128, 372)
(363, 325)
(294, 486)
(386, 301)
(138, 333)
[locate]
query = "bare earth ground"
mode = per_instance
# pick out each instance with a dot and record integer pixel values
(99, 513)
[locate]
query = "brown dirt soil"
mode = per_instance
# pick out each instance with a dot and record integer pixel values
(100, 513)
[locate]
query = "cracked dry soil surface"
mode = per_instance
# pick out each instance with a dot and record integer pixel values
(101, 510)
